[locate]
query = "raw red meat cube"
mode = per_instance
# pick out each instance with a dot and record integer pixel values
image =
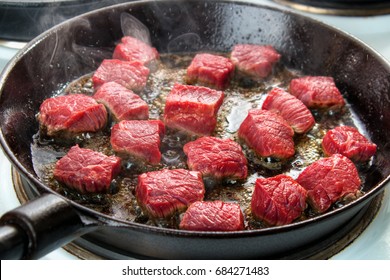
(297, 115)
(349, 142)
(213, 216)
(193, 109)
(317, 91)
(71, 114)
(132, 49)
(268, 134)
(278, 200)
(215, 157)
(132, 75)
(257, 61)
(328, 180)
(87, 171)
(123, 103)
(163, 193)
(211, 70)
(138, 138)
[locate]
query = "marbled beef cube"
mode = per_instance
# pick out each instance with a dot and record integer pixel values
(278, 200)
(193, 109)
(87, 171)
(69, 115)
(217, 158)
(349, 142)
(213, 216)
(256, 61)
(297, 115)
(123, 103)
(317, 91)
(210, 70)
(328, 180)
(132, 75)
(138, 138)
(166, 192)
(268, 134)
(133, 49)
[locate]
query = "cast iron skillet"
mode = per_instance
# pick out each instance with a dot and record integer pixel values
(78, 46)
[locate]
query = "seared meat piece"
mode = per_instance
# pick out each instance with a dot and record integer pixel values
(297, 115)
(278, 200)
(123, 103)
(210, 70)
(87, 171)
(68, 115)
(138, 138)
(215, 157)
(213, 216)
(268, 134)
(328, 180)
(163, 193)
(257, 61)
(349, 142)
(132, 75)
(132, 49)
(317, 91)
(193, 109)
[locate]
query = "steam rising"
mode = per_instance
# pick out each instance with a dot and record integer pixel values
(187, 42)
(131, 26)
(81, 53)
(73, 58)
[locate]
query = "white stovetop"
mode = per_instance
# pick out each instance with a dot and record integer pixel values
(373, 243)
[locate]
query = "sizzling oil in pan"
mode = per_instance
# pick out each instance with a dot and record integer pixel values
(241, 96)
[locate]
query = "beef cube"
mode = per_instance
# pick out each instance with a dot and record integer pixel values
(210, 70)
(87, 171)
(349, 142)
(123, 103)
(132, 75)
(328, 180)
(268, 134)
(213, 216)
(193, 109)
(166, 192)
(317, 92)
(217, 158)
(297, 115)
(69, 115)
(138, 138)
(132, 49)
(256, 61)
(278, 200)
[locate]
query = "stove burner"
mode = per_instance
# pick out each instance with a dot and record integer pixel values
(84, 248)
(340, 7)
(24, 20)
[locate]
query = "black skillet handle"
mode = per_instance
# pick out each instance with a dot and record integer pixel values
(39, 227)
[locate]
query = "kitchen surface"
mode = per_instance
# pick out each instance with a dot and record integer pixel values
(371, 27)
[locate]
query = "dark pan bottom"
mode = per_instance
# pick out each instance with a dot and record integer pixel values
(323, 249)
